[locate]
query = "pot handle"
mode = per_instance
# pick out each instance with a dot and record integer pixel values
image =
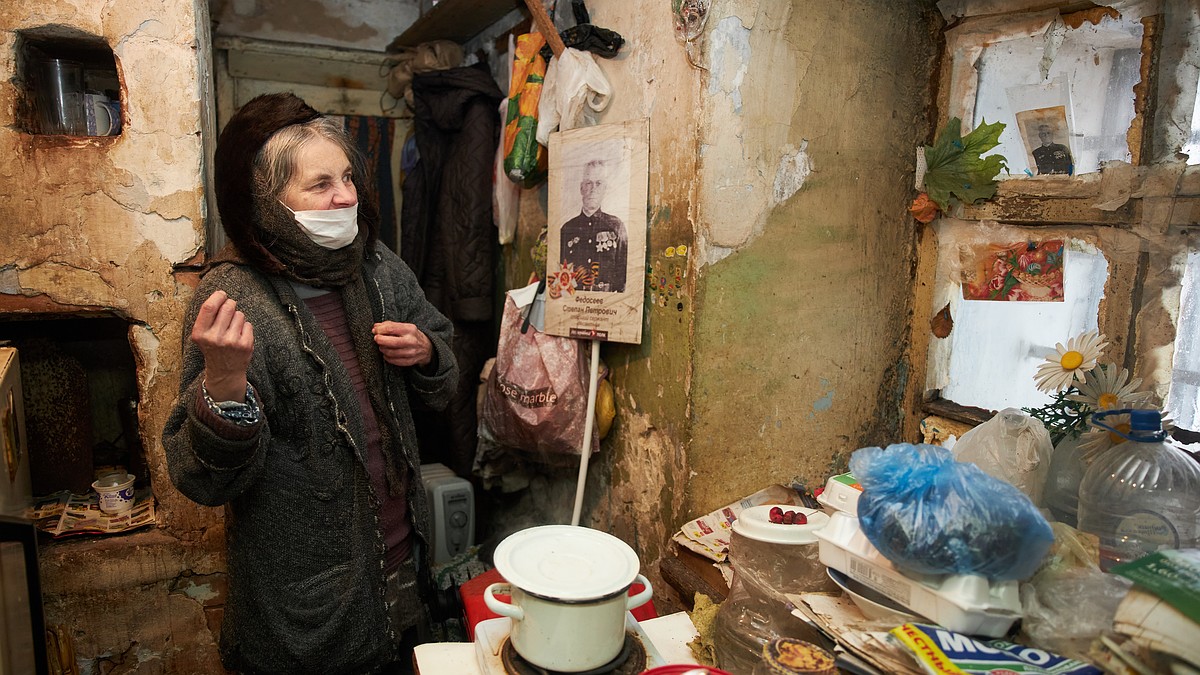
(502, 608)
(641, 598)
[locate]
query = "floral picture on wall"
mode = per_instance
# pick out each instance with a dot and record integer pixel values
(1027, 271)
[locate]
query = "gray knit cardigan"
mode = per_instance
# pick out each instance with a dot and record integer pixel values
(305, 551)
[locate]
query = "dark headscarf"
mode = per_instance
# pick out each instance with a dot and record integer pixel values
(261, 231)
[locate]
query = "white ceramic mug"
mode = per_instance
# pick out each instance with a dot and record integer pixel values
(103, 116)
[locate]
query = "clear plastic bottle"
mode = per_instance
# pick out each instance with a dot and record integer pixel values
(769, 560)
(1142, 495)
(1061, 494)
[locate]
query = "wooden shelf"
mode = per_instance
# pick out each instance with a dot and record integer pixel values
(457, 20)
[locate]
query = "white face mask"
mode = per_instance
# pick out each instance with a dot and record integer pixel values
(329, 228)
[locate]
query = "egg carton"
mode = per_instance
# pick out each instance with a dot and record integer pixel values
(841, 493)
(964, 603)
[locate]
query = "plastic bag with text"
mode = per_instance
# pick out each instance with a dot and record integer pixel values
(535, 400)
(929, 514)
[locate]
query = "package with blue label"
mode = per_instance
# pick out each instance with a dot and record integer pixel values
(943, 652)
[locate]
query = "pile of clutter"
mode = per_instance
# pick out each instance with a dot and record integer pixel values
(924, 559)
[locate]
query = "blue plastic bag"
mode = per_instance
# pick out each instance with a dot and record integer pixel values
(929, 514)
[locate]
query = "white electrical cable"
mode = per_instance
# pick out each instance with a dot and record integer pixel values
(585, 447)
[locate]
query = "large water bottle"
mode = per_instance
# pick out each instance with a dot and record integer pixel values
(1142, 495)
(1061, 494)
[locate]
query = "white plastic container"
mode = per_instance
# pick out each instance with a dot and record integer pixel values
(841, 493)
(115, 491)
(964, 603)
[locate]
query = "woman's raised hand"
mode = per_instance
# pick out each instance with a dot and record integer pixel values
(226, 339)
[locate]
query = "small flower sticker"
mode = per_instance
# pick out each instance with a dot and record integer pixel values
(1070, 363)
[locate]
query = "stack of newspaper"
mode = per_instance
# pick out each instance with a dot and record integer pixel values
(863, 644)
(1158, 622)
(708, 535)
(64, 513)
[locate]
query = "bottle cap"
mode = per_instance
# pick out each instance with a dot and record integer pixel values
(1144, 420)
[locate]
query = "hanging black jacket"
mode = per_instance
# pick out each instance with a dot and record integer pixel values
(449, 240)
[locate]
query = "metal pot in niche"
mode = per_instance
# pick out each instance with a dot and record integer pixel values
(569, 587)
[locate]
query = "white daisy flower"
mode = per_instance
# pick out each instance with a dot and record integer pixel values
(1106, 388)
(1070, 363)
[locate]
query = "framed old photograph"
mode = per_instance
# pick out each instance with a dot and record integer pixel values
(1047, 140)
(596, 245)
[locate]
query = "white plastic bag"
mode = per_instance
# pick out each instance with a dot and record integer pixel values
(1013, 447)
(573, 80)
(1069, 602)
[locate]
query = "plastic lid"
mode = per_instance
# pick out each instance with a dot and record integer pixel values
(566, 562)
(755, 523)
(113, 480)
(1144, 420)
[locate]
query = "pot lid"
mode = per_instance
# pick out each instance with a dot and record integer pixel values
(566, 562)
(755, 523)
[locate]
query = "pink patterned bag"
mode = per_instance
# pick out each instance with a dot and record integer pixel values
(535, 399)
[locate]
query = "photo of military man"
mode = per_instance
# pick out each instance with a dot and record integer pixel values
(593, 242)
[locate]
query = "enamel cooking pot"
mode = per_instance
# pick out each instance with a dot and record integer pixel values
(569, 589)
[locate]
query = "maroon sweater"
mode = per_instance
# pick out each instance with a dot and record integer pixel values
(393, 514)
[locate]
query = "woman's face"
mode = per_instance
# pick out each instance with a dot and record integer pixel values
(322, 180)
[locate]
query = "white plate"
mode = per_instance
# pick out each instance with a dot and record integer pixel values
(755, 522)
(872, 604)
(566, 562)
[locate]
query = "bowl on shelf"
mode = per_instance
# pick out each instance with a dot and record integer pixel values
(871, 603)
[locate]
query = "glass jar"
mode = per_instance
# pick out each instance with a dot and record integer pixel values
(769, 560)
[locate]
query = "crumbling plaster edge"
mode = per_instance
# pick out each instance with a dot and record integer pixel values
(760, 193)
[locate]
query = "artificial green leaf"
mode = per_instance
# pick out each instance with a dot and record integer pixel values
(954, 165)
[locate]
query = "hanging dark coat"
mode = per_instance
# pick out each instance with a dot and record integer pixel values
(449, 240)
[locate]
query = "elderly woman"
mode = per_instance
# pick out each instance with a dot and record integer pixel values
(307, 340)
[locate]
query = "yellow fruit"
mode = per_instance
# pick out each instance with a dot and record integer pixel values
(606, 409)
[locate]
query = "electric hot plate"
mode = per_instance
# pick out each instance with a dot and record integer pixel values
(631, 661)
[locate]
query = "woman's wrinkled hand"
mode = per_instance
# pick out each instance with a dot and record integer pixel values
(226, 339)
(402, 344)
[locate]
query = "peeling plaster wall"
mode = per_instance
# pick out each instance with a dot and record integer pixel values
(802, 303)
(643, 501)
(636, 485)
(786, 170)
(99, 225)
